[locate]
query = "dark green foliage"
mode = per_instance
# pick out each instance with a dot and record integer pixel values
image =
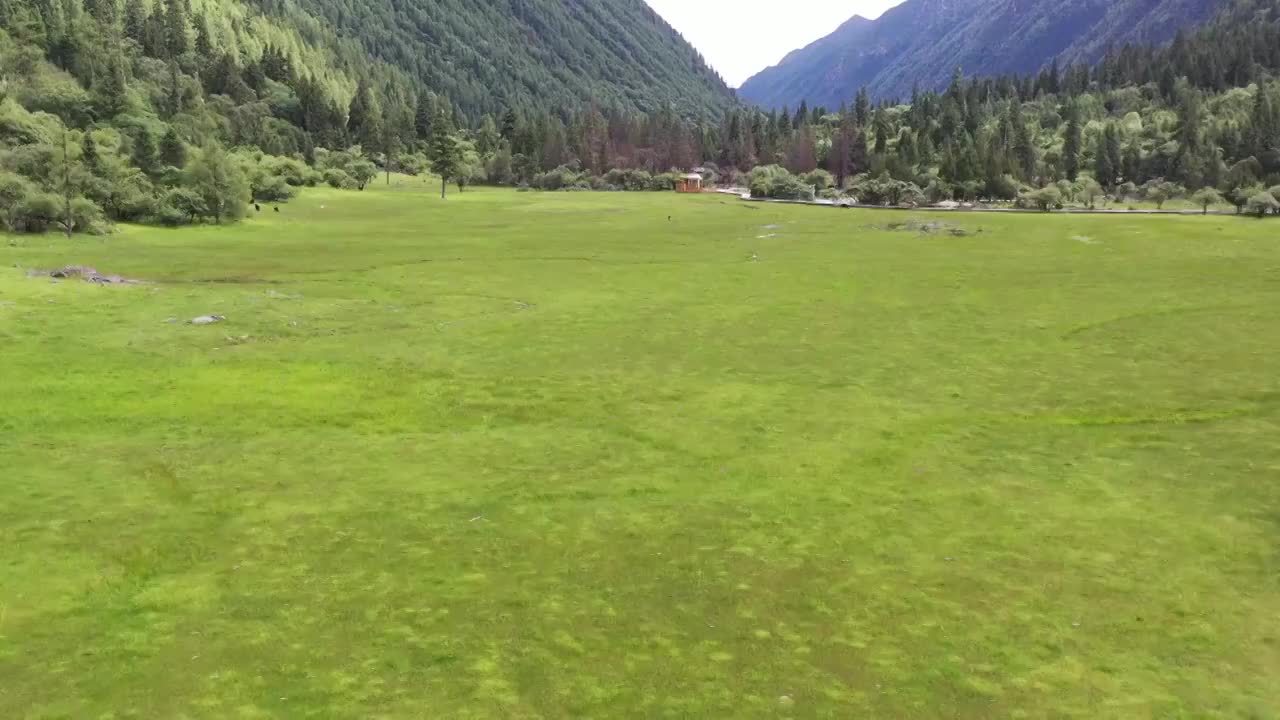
(173, 153)
(538, 54)
(1071, 143)
(144, 152)
(444, 151)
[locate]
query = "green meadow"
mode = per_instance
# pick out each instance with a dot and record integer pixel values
(525, 455)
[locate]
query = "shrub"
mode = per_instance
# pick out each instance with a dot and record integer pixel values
(339, 179)
(181, 206)
(819, 179)
(36, 212)
(1205, 197)
(87, 217)
(774, 181)
(270, 188)
(1003, 188)
(14, 190)
(1263, 203)
(1045, 199)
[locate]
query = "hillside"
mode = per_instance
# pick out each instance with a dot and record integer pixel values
(487, 55)
(923, 41)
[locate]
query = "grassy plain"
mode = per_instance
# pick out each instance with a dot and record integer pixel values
(523, 455)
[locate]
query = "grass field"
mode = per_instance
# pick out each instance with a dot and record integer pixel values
(524, 455)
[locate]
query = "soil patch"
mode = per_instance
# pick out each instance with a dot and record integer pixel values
(934, 227)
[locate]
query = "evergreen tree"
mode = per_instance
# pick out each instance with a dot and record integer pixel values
(509, 122)
(1071, 143)
(364, 123)
(175, 27)
(1024, 150)
(111, 88)
(144, 152)
(444, 151)
(882, 129)
(862, 108)
(1106, 157)
(89, 152)
(172, 152)
(1132, 164)
(135, 21)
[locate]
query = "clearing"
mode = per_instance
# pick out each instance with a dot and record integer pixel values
(522, 455)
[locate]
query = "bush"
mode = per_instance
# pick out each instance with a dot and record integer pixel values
(774, 181)
(1045, 199)
(1003, 188)
(1263, 203)
(271, 188)
(87, 217)
(180, 206)
(664, 182)
(14, 190)
(339, 179)
(558, 179)
(819, 179)
(36, 212)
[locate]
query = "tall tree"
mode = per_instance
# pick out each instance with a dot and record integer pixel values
(144, 152)
(1071, 142)
(444, 151)
(172, 152)
(216, 177)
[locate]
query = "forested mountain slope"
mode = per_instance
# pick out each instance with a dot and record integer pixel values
(487, 55)
(179, 111)
(923, 41)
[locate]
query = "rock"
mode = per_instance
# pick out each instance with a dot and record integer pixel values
(207, 320)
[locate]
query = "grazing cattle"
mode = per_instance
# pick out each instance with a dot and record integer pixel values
(257, 207)
(277, 208)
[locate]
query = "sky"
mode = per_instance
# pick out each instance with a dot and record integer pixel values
(742, 37)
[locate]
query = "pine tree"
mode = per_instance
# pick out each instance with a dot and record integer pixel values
(882, 129)
(1261, 122)
(1105, 158)
(509, 122)
(135, 21)
(1071, 143)
(144, 152)
(862, 108)
(364, 122)
(172, 152)
(1132, 164)
(444, 151)
(1023, 148)
(110, 88)
(173, 101)
(89, 152)
(175, 27)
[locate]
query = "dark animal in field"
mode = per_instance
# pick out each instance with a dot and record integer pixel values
(277, 208)
(257, 207)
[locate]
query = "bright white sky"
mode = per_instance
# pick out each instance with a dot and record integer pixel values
(742, 37)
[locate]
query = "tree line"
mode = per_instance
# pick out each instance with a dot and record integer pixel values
(157, 113)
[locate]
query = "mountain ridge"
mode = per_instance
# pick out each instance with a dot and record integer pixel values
(923, 41)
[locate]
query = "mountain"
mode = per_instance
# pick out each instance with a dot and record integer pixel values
(488, 55)
(924, 41)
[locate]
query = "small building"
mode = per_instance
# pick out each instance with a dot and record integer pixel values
(691, 183)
